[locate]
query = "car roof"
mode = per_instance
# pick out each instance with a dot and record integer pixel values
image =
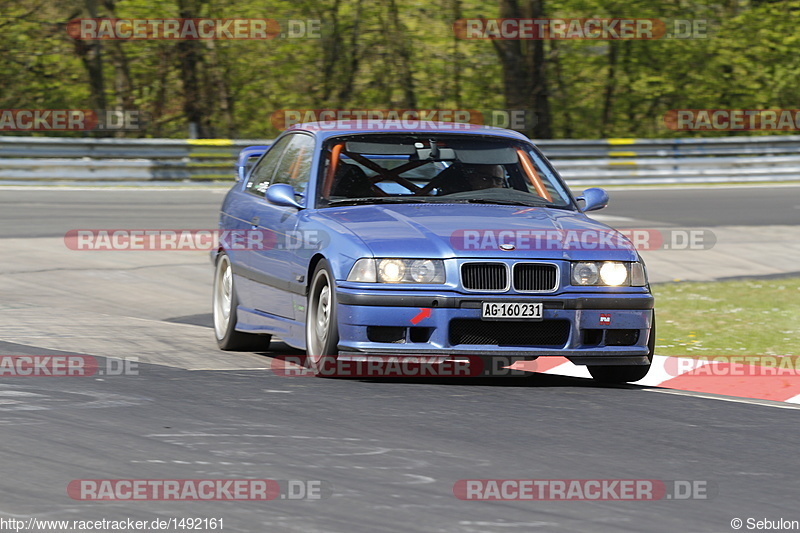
(325, 130)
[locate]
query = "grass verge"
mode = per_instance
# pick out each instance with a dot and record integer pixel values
(750, 317)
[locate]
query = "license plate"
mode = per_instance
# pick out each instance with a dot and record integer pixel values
(511, 310)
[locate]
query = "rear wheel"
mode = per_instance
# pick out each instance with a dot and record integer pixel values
(224, 310)
(322, 329)
(626, 373)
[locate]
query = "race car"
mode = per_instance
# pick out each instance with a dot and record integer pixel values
(437, 241)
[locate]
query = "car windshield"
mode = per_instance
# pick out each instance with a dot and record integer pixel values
(437, 168)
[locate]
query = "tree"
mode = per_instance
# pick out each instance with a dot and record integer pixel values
(525, 68)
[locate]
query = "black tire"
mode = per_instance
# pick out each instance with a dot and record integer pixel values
(223, 309)
(626, 373)
(322, 327)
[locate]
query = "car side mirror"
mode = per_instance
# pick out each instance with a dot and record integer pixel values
(593, 198)
(282, 194)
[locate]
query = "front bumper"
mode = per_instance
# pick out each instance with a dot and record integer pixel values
(391, 323)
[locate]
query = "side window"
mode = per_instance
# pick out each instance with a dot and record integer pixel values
(261, 176)
(295, 166)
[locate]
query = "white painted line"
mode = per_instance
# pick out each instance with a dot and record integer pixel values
(225, 369)
(751, 401)
(697, 185)
(570, 370)
(419, 480)
(658, 373)
(484, 525)
(113, 188)
(223, 187)
(793, 399)
(610, 218)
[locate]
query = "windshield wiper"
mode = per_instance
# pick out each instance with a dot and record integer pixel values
(501, 202)
(525, 203)
(379, 200)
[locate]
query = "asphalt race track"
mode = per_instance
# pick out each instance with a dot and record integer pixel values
(389, 451)
(32, 213)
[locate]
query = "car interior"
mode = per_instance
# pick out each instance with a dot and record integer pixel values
(427, 169)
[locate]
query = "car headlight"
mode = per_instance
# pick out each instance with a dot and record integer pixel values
(585, 273)
(613, 274)
(391, 270)
(395, 270)
(608, 274)
(424, 271)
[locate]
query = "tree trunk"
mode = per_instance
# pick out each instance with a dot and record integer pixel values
(563, 96)
(543, 128)
(405, 76)
(123, 87)
(220, 84)
(91, 55)
(456, 57)
(331, 48)
(611, 82)
(353, 59)
(190, 58)
(524, 69)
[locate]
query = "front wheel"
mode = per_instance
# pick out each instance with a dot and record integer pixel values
(626, 373)
(224, 307)
(322, 328)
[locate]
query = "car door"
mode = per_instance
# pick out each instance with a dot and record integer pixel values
(278, 267)
(248, 206)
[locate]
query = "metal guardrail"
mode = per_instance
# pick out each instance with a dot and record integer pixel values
(51, 158)
(581, 162)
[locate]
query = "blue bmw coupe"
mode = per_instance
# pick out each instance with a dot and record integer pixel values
(437, 241)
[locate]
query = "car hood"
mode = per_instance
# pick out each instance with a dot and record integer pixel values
(479, 230)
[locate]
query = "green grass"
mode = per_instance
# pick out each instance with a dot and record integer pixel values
(752, 317)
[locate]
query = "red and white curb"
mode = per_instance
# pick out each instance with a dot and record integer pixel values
(680, 373)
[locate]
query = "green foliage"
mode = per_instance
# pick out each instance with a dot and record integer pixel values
(364, 54)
